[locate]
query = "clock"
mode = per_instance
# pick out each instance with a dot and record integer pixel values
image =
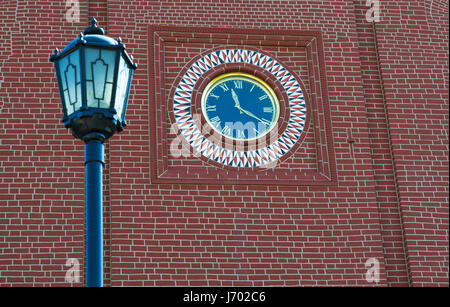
(240, 106)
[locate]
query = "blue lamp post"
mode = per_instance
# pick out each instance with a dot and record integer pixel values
(94, 75)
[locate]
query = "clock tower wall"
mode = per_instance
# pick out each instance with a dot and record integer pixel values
(349, 189)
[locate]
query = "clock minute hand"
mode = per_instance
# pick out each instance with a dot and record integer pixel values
(254, 116)
(237, 105)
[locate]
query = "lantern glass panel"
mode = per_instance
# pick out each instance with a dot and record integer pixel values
(99, 64)
(122, 86)
(70, 74)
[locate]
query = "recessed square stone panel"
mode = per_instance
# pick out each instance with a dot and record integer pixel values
(299, 151)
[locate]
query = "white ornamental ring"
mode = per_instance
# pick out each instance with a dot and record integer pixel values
(252, 158)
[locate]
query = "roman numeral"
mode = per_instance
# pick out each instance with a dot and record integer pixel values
(211, 108)
(215, 121)
(237, 84)
(240, 134)
(226, 130)
(215, 96)
(268, 110)
(263, 97)
(224, 87)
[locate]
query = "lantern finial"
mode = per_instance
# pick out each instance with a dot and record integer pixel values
(93, 28)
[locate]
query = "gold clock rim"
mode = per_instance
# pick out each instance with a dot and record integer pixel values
(253, 79)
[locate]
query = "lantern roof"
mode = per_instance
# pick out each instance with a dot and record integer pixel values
(93, 36)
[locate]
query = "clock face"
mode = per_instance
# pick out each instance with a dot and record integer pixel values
(240, 106)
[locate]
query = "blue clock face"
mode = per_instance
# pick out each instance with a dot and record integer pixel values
(240, 106)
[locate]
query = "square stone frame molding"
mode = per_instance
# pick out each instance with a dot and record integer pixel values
(159, 98)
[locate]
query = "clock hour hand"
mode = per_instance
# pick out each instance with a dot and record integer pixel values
(236, 100)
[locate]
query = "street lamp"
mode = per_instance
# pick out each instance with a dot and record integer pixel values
(94, 75)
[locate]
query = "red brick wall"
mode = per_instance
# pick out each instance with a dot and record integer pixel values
(384, 172)
(413, 45)
(387, 102)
